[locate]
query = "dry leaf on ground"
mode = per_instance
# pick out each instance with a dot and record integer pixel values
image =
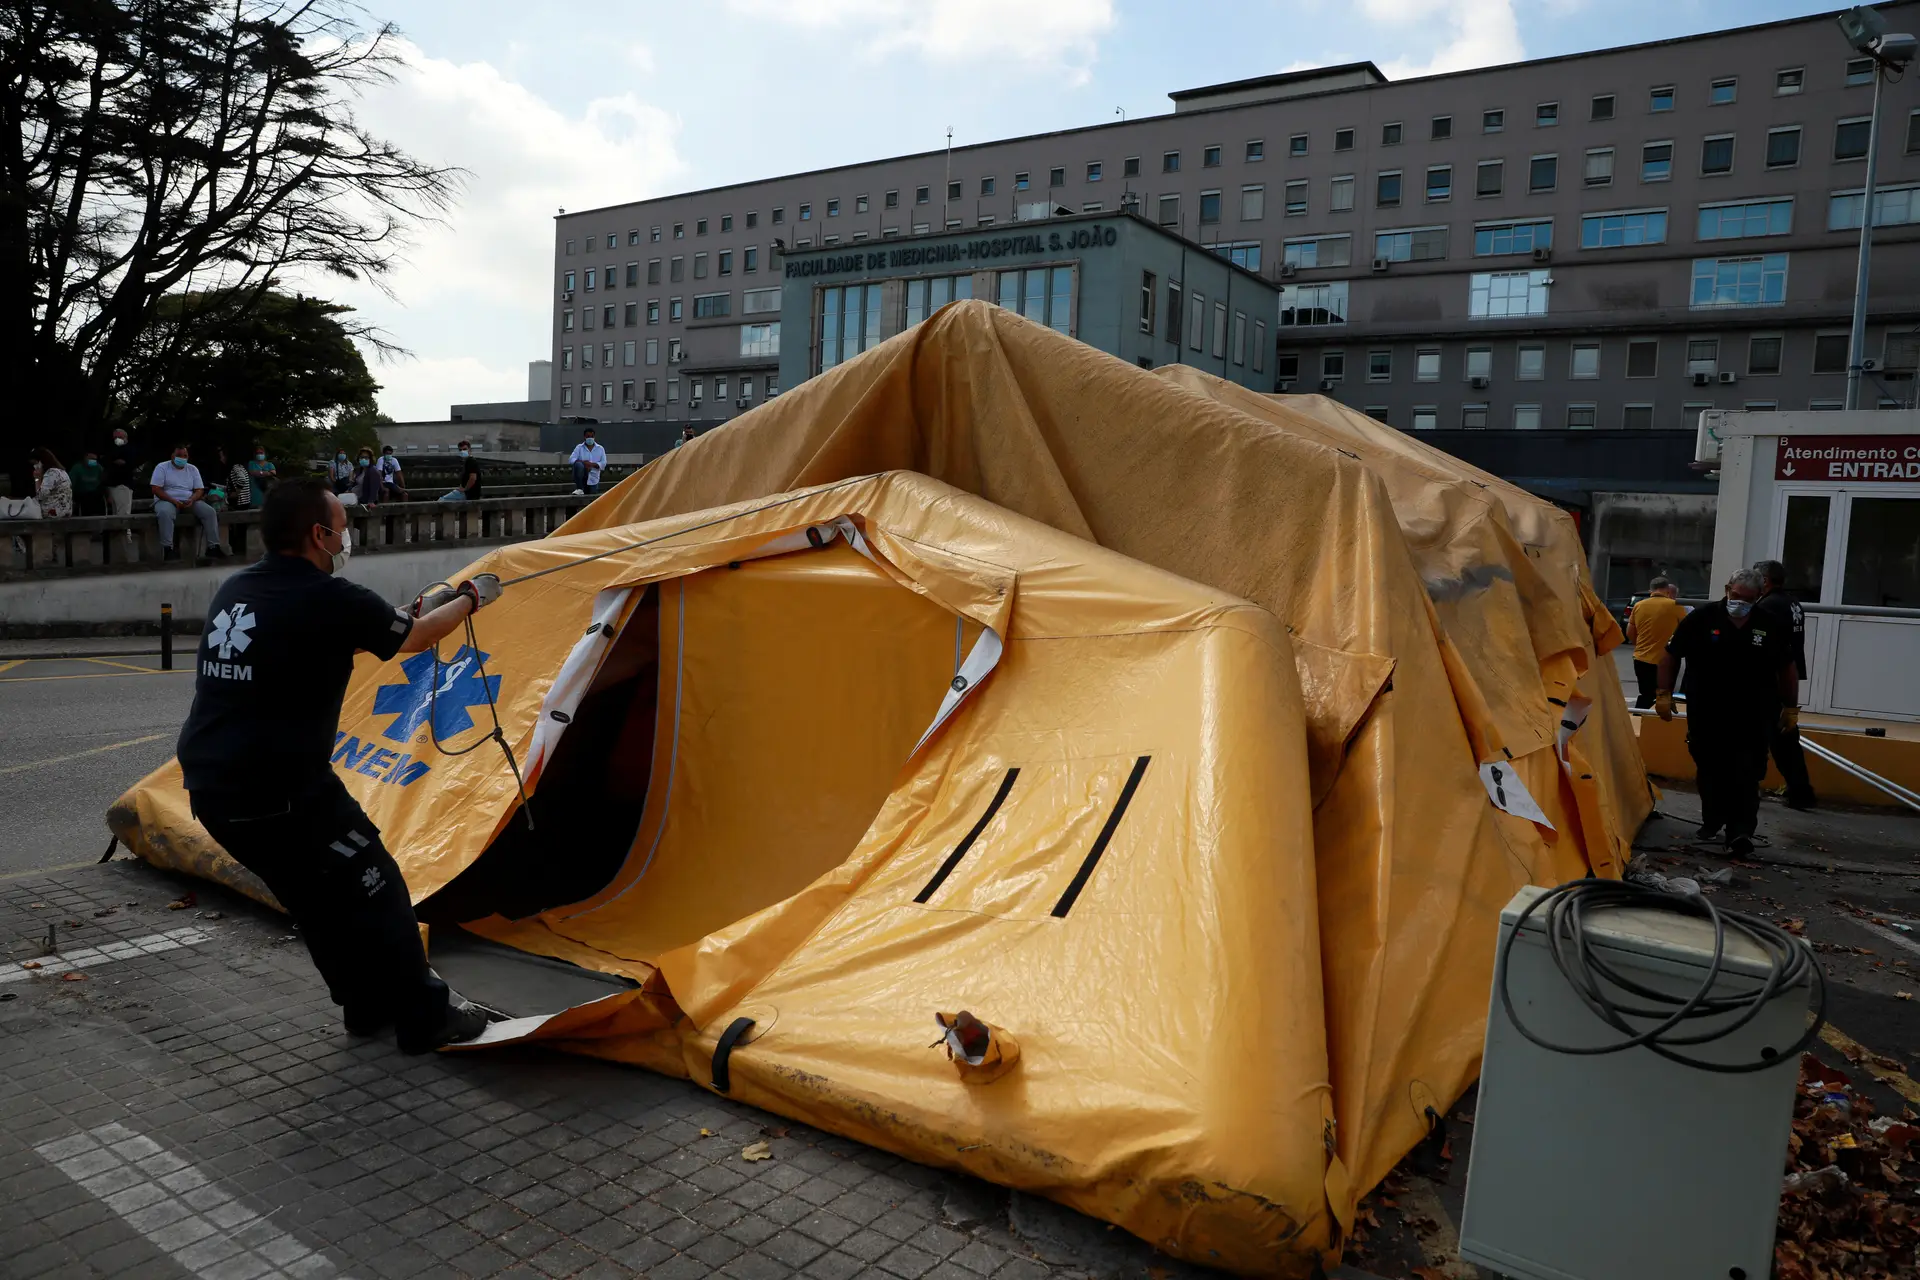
(756, 1151)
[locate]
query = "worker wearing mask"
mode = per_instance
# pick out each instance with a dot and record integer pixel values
(271, 671)
(1740, 674)
(1784, 613)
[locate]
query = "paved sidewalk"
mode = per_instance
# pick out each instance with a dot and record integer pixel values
(180, 1101)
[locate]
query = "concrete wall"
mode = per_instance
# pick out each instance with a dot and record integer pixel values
(488, 436)
(1634, 536)
(95, 602)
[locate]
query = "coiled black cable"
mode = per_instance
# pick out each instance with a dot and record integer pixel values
(1566, 912)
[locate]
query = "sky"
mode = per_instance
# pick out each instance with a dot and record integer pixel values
(575, 106)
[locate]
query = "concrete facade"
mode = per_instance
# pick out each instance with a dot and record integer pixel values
(1639, 152)
(489, 435)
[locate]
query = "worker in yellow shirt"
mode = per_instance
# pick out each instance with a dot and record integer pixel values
(1649, 627)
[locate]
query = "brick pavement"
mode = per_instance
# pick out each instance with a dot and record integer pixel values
(188, 1106)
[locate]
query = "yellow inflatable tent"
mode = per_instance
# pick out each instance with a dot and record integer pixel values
(1191, 739)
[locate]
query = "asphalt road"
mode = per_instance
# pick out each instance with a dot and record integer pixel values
(78, 732)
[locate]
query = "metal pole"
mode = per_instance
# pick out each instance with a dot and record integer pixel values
(166, 637)
(1857, 341)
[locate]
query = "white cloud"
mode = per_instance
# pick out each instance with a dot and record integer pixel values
(1472, 33)
(473, 299)
(1042, 31)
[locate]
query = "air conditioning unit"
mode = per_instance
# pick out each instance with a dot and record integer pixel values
(1702, 379)
(646, 406)
(567, 296)
(742, 402)
(1381, 264)
(1285, 384)
(693, 404)
(1288, 270)
(1480, 384)
(1543, 255)
(1326, 384)
(1728, 379)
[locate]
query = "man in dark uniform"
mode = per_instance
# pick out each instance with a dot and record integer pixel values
(1739, 673)
(271, 671)
(1783, 611)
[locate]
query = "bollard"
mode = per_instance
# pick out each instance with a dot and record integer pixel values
(166, 637)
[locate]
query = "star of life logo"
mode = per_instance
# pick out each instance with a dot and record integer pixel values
(448, 700)
(227, 637)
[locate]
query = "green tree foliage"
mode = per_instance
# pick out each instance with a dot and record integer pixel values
(174, 161)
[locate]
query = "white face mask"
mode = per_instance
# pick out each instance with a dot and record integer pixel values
(346, 550)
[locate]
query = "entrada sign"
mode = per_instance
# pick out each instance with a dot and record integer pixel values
(982, 249)
(1855, 459)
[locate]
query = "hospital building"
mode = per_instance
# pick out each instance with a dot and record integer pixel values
(1550, 268)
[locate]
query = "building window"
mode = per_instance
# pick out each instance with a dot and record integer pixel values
(1738, 219)
(675, 311)
(1656, 161)
(1599, 168)
(630, 315)
(759, 341)
(653, 271)
(1602, 107)
(1379, 366)
(1319, 251)
(699, 266)
(1333, 365)
(1130, 167)
(628, 352)
(711, 306)
(726, 262)
(1256, 149)
(1426, 417)
(847, 322)
(1173, 312)
(566, 359)
(653, 356)
(1440, 182)
(566, 320)
(759, 301)
(1763, 354)
(1660, 98)
(1473, 417)
(1894, 206)
(1210, 158)
(593, 279)
(1426, 365)
(1783, 147)
(653, 311)
(1390, 134)
(750, 259)
(1529, 362)
(1716, 154)
(1196, 321)
(566, 282)
(679, 231)
(1479, 363)
(700, 226)
(1425, 244)
(1526, 417)
(890, 200)
(1830, 352)
(1495, 294)
(1149, 299)
(586, 355)
(1850, 139)
(1169, 211)
(1253, 203)
(1386, 190)
(1491, 239)
(1343, 139)
(673, 391)
(566, 396)
(1637, 417)
(779, 216)
(1859, 71)
(1580, 417)
(1546, 115)
(1703, 356)
(986, 189)
(1826, 406)
(633, 275)
(921, 195)
(1721, 93)
(1297, 198)
(676, 270)
(1493, 121)
(1209, 207)
(1259, 346)
(1093, 171)
(1489, 177)
(1302, 305)
(1170, 162)
(1340, 194)
(1756, 281)
(1543, 173)
(1585, 361)
(569, 248)
(1788, 81)
(1240, 337)
(1624, 229)
(753, 219)
(924, 297)
(1643, 357)
(1041, 294)
(1442, 127)
(1241, 253)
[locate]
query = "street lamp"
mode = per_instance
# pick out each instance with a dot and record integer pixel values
(1867, 32)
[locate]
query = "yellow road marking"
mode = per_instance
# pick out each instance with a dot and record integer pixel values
(1898, 1081)
(128, 666)
(8, 666)
(81, 755)
(100, 675)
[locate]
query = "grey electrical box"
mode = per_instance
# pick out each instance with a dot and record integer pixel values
(1626, 1166)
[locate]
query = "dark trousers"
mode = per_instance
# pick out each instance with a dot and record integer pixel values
(580, 478)
(1648, 674)
(323, 859)
(91, 504)
(1792, 763)
(1729, 759)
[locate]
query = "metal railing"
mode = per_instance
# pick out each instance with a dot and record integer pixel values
(1832, 757)
(117, 544)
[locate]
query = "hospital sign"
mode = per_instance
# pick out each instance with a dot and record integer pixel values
(1848, 459)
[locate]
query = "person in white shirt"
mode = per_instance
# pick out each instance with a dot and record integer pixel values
(177, 487)
(588, 458)
(391, 490)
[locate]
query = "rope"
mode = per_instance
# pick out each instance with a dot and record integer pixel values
(498, 735)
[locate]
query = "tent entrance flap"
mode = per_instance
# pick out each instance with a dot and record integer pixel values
(792, 690)
(586, 803)
(512, 982)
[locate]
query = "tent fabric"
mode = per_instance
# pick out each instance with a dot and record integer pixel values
(1294, 642)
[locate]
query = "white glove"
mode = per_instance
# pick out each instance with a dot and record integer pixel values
(484, 588)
